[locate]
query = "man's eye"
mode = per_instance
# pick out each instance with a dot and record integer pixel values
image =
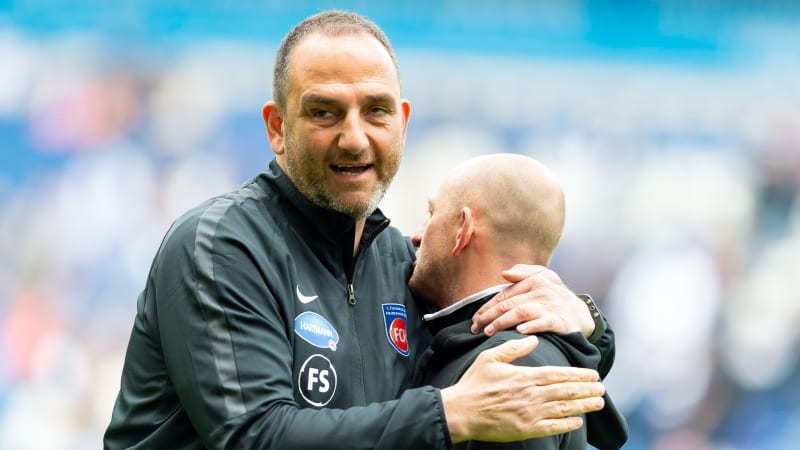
(378, 111)
(321, 114)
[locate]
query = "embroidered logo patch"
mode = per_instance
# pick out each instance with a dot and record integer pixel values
(317, 380)
(395, 319)
(315, 330)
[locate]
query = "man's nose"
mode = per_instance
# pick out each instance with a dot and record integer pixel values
(416, 238)
(353, 137)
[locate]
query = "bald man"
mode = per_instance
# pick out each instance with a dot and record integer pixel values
(492, 212)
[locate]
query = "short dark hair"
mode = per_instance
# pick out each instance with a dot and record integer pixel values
(330, 23)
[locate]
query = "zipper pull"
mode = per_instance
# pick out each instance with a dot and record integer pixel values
(351, 294)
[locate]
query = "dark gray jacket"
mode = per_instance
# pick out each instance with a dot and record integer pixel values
(258, 329)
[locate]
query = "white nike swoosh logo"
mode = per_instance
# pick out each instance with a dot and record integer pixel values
(305, 298)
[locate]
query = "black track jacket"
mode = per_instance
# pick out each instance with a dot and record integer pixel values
(454, 348)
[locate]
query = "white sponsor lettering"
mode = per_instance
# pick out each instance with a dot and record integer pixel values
(316, 329)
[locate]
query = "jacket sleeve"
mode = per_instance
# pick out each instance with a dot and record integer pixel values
(605, 429)
(607, 350)
(228, 353)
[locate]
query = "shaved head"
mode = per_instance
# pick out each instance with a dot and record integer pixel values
(517, 198)
(490, 213)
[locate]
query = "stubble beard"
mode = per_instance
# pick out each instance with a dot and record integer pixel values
(310, 179)
(427, 281)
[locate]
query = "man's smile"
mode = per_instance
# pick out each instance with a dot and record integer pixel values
(349, 169)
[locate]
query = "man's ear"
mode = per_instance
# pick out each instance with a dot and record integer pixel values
(273, 120)
(465, 230)
(406, 109)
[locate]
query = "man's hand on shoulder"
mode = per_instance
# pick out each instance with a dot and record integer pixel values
(500, 402)
(538, 301)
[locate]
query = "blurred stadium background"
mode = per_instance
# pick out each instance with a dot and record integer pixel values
(674, 125)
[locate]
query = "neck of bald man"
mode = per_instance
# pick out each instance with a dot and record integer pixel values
(484, 270)
(476, 272)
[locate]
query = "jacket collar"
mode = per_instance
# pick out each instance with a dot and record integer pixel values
(323, 229)
(460, 311)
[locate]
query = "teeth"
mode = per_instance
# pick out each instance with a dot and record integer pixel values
(350, 169)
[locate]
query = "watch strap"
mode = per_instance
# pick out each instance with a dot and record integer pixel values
(599, 322)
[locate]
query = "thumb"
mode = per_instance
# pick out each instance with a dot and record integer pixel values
(512, 275)
(510, 350)
(519, 272)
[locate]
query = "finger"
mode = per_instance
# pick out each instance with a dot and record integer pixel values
(499, 300)
(540, 325)
(510, 350)
(507, 317)
(567, 391)
(549, 427)
(505, 301)
(587, 379)
(517, 295)
(519, 272)
(536, 427)
(515, 274)
(568, 408)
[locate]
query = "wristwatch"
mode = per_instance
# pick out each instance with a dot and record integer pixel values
(599, 322)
